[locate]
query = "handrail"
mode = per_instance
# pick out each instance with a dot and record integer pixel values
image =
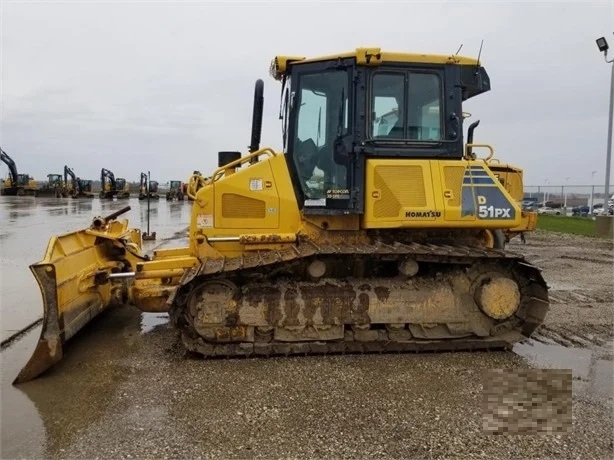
(220, 171)
(197, 181)
(469, 147)
(193, 185)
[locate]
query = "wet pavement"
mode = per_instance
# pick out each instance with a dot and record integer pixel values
(27, 225)
(125, 388)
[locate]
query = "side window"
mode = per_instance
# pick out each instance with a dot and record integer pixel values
(406, 106)
(387, 105)
(322, 101)
(312, 117)
(283, 114)
(424, 108)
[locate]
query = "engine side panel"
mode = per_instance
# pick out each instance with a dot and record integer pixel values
(436, 194)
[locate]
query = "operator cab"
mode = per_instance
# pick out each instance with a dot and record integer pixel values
(120, 183)
(23, 179)
(54, 179)
(340, 110)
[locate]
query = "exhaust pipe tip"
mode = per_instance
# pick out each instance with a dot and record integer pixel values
(257, 116)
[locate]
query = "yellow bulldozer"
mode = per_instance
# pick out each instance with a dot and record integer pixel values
(355, 238)
(54, 187)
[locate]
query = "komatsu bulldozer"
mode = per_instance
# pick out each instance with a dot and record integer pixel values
(54, 187)
(357, 237)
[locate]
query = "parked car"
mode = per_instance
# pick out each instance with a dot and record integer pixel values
(553, 204)
(530, 203)
(549, 211)
(601, 211)
(529, 206)
(581, 211)
(598, 210)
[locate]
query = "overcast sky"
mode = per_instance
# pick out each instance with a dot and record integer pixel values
(163, 86)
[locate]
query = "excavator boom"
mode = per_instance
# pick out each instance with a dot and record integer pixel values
(16, 184)
(6, 159)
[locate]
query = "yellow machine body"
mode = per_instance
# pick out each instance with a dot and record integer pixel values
(511, 177)
(272, 268)
(257, 203)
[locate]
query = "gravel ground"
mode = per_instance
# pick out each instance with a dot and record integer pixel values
(125, 388)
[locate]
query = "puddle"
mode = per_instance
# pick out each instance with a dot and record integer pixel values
(591, 373)
(34, 221)
(23, 432)
(152, 321)
(42, 417)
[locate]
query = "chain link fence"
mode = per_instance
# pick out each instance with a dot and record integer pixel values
(567, 197)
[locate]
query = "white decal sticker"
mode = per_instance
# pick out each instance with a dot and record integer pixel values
(255, 184)
(204, 221)
(494, 213)
(320, 202)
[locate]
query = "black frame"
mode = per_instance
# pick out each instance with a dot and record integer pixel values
(459, 82)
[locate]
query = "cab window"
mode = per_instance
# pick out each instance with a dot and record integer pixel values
(406, 106)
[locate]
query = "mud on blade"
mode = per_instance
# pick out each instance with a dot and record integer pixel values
(73, 286)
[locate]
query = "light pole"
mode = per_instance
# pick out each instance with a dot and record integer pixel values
(602, 44)
(592, 190)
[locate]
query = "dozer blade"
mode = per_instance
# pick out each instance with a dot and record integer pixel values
(72, 281)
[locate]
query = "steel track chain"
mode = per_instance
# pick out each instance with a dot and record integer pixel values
(533, 310)
(271, 349)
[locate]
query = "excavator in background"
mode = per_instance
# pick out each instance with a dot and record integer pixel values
(54, 187)
(16, 184)
(355, 238)
(112, 187)
(75, 186)
(148, 186)
(175, 191)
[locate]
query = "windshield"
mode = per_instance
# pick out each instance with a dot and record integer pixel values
(322, 103)
(406, 106)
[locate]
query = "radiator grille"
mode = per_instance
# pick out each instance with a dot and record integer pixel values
(400, 186)
(242, 207)
(453, 175)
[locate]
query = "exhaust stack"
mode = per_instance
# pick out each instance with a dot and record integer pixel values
(472, 127)
(257, 118)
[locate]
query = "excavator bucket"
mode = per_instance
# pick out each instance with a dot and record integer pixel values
(73, 279)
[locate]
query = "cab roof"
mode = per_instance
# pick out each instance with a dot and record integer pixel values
(371, 57)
